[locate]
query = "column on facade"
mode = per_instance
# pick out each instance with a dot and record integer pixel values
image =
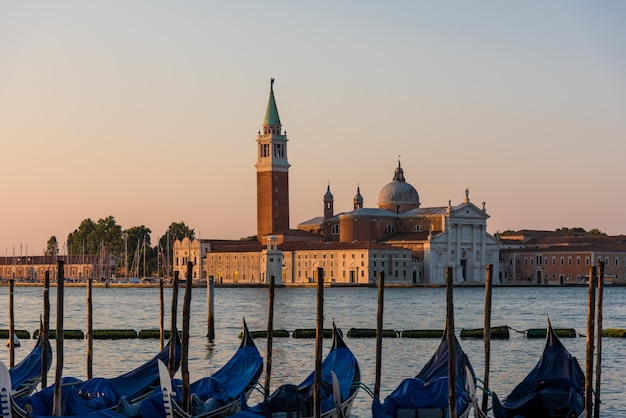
(459, 252)
(483, 255)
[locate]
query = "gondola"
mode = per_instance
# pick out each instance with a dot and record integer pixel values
(26, 375)
(84, 397)
(214, 396)
(340, 375)
(555, 388)
(427, 393)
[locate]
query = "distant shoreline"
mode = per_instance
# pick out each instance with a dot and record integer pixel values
(298, 285)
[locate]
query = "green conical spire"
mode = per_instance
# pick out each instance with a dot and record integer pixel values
(271, 114)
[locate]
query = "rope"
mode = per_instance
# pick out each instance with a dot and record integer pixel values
(365, 388)
(516, 330)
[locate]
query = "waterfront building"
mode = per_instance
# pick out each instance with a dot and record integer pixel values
(76, 268)
(560, 258)
(409, 243)
(296, 262)
(439, 237)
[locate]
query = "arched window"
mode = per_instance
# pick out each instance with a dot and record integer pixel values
(335, 229)
(389, 229)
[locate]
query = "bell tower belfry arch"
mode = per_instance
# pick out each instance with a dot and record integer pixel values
(272, 173)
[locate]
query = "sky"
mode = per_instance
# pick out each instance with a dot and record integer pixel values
(148, 111)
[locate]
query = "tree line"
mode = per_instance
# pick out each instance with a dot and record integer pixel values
(105, 237)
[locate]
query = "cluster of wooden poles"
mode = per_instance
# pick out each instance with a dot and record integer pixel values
(593, 339)
(45, 330)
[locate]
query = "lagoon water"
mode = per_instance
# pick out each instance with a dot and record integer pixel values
(405, 308)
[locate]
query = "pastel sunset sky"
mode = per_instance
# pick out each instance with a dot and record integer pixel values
(148, 110)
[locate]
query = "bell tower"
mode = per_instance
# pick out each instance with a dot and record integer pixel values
(272, 174)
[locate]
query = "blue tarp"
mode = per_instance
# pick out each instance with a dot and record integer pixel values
(212, 392)
(554, 388)
(429, 389)
(99, 393)
(340, 360)
(30, 367)
(98, 414)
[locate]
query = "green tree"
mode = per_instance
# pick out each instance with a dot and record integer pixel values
(90, 237)
(52, 247)
(78, 241)
(109, 233)
(596, 231)
(572, 230)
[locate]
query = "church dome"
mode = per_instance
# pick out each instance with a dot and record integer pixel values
(398, 196)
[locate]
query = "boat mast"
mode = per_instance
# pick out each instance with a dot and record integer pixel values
(144, 256)
(126, 255)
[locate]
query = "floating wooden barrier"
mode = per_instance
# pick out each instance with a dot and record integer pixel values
(280, 333)
(614, 332)
(22, 334)
(498, 333)
(68, 334)
(422, 333)
(311, 333)
(113, 334)
(154, 333)
(561, 332)
(370, 333)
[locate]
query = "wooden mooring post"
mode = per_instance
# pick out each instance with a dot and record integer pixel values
(591, 319)
(184, 367)
(379, 331)
(596, 406)
(57, 405)
(45, 332)
(487, 334)
(319, 333)
(11, 324)
(451, 345)
(161, 315)
(173, 327)
(210, 303)
(270, 335)
(89, 330)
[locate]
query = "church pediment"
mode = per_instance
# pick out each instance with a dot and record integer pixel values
(468, 211)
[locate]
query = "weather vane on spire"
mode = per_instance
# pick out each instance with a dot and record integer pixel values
(272, 82)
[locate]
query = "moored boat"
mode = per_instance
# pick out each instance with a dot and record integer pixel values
(554, 388)
(26, 375)
(426, 394)
(341, 378)
(218, 395)
(97, 394)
